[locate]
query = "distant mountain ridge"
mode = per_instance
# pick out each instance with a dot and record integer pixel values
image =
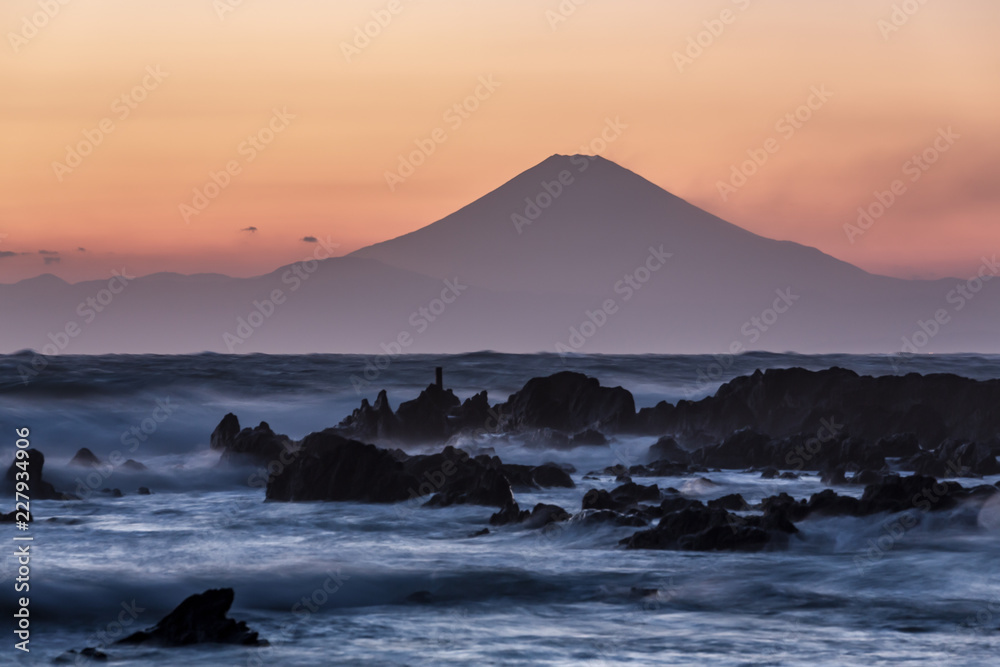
(574, 254)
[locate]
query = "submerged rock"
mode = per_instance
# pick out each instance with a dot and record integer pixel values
(699, 528)
(199, 619)
(85, 458)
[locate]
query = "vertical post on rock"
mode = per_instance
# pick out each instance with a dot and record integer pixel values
(439, 377)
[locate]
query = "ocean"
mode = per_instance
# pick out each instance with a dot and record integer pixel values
(363, 584)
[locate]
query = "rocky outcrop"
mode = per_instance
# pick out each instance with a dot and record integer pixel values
(700, 528)
(259, 445)
(371, 422)
(328, 466)
(33, 463)
(569, 402)
(225, 433)
(199, 619)
(781, 403)
(85, 458)
(425, 418)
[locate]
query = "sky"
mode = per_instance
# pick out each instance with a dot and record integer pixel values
(233, 136)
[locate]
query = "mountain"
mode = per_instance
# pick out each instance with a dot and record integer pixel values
(574, 254)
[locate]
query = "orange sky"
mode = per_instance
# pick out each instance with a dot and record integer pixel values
(224, 73)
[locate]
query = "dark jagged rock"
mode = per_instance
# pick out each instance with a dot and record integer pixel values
(954, 458)
(475, 414)
(892, 494)
(733, 501)
(544, 514)
(85, 458)
(545, 476)
(667, 449)
(144, 491)
(786, 402)
(508, 514)
(328, 466)
(134, 465)
(608, 516)
(372, 421)
(569, 402)
(34, 464)
(258, 445)
(626, 496)
(898, 445)
(425, 418)
(709, 529)
(588, 438)
(199, 619)
(770, 472)
(225, 433)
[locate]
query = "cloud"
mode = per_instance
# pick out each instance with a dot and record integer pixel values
(52, 260)
(310, 239)
(249, 229)
(48, 252)
(81, 250)
(7, 253)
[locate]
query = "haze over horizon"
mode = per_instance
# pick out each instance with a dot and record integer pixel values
(338, 111)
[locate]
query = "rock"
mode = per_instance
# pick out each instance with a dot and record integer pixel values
(89, 653)
(954, 458)
(626, 496)
(588, 517)
(116, 493)
(510, 513)
(225, 433)
(744, 448)
(769, 472)
(33, 464)
(85, 458)
(787, 402)
(667, 449)
(259, 445)
(420, 597)
(330, 467)
(588, 438)
(707, 529)
(569, 402)
(199, 619)
(480, 533)
(543, 514)
(144, 491)
(134, 465)
(733, 501)
(372, 421)
(425, 418)
(549, 476)
(475, 414)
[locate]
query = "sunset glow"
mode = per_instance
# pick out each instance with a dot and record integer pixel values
(200, 136)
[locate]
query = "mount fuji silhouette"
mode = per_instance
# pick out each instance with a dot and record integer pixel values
(576, 254)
